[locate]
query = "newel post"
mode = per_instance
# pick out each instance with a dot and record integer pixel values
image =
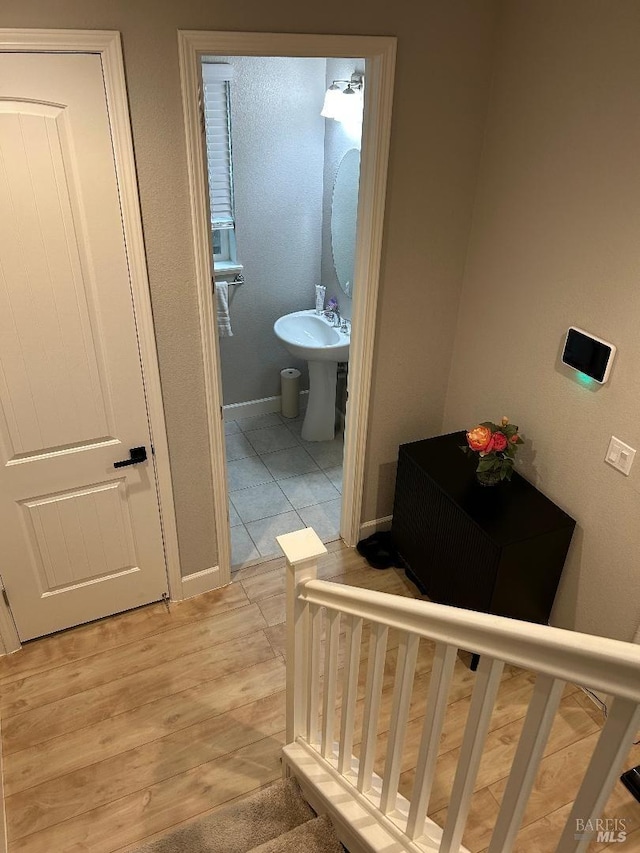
(301, 550)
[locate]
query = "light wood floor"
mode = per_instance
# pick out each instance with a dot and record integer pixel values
(117, 731)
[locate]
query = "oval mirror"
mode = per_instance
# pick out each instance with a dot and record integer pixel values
(344, 209)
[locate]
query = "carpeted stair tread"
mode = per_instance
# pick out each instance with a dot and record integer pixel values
(242, 826)
(315, 836)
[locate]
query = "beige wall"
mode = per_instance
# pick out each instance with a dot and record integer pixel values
(556, 242)
(443, 70)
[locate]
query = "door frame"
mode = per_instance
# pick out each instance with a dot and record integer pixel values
(107, 44)
(379, 53)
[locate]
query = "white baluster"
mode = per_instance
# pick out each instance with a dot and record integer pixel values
(441, 672)
(482, 700)
(403, 686)
(349, 692)
(375, 673)
(611, 750)
(533, 738)
(313, 703)
(330, 672)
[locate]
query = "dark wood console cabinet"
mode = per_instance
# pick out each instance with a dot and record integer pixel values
(498, 549)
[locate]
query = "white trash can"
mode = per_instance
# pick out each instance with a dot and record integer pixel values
(290, 392)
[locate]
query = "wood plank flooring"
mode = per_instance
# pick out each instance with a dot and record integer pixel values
(115, 732)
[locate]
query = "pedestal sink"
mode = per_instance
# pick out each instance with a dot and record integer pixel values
(311, 336)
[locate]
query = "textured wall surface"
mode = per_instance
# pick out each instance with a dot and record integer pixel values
(278, 152)
(555, 243)
(442, 80)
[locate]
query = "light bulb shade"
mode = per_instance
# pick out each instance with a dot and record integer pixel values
(332, 98)
(349, 108)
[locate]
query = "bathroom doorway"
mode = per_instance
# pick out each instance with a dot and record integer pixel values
(286, 179)
(272, 479)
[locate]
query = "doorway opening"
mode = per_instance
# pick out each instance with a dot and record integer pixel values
(261, 283)
(283, 192)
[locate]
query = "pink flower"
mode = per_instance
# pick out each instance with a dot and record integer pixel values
(514, 438)
(499, 440)
(490, 446)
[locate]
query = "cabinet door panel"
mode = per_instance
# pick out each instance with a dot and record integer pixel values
(464, 562)
(415, 518)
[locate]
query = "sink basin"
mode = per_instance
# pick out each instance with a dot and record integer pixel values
(310, 336)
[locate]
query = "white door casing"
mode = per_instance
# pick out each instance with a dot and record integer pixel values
(379, 53)
(80, 539)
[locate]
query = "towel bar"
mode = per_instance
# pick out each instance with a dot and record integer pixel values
(239, 278)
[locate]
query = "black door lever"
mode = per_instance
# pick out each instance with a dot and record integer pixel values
(136, 454)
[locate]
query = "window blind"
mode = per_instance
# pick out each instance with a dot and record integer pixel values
(217, 124)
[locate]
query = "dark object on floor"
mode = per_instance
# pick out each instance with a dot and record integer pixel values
(631, 781)
(379, 551)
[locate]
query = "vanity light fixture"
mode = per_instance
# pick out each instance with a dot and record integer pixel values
(341, 104)
(331, 97)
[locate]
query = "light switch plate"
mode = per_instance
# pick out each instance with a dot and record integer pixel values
(620, 455)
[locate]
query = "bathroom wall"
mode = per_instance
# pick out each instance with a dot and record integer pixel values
(336, 144)
(555, 242)
(278, 152)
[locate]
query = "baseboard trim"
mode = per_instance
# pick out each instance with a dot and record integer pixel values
(199, 582)
(375, 526)
(263, 406)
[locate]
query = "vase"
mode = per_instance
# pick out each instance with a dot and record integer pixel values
(488, 478)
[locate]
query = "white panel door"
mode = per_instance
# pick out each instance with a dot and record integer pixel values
(79, 539)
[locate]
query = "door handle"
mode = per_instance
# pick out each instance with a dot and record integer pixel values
(136, 455)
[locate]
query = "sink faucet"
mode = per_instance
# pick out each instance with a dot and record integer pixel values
(333, 312)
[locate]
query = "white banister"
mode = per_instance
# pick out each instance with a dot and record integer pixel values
(370, 813)
(301, 550)
(610, 666)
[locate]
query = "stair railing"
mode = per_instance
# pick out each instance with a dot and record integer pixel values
(367, 809)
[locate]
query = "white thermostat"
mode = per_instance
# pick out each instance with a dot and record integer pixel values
(588, 354)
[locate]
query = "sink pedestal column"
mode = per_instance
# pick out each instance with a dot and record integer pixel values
(319, 422)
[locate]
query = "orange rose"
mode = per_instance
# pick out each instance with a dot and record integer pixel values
(479, 437)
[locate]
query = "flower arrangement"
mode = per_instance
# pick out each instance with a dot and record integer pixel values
(496, 447)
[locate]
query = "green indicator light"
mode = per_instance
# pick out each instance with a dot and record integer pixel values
(584, 379)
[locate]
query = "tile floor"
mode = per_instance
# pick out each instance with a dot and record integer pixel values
(278, 483)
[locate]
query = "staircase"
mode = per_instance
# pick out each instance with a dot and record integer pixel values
(274, 820)
(325, 767)
(368, 810)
